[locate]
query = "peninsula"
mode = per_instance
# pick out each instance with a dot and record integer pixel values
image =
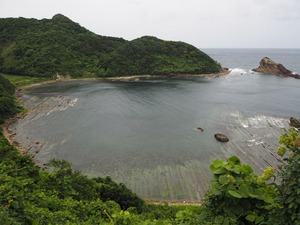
(47, 47)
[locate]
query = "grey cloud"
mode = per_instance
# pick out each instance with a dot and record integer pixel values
(203, 23)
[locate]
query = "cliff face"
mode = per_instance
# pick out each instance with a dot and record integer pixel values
(267, 66)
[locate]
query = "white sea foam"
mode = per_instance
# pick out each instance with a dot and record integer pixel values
(235, 114)
(260, 121)
(255, 142)
(237, 71)
(245, 125)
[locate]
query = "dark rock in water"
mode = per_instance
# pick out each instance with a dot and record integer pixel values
(221, 137)
(294, 122)
(268, 66)
(200, 129)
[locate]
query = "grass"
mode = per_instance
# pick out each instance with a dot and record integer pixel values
(25, 81)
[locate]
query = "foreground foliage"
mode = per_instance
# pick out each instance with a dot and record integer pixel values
(290, 177)
(238, 196)
(60, 46)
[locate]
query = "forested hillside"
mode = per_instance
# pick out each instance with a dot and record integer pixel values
(150, 55)
(58, 45)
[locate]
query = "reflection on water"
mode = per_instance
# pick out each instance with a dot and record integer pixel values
(143, 133)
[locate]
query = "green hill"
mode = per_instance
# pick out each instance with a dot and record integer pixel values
(58, 45)
(150, 55)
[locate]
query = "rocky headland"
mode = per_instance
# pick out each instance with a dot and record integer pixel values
(268, 66)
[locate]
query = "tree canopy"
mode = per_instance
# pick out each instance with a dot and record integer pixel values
(59, 45)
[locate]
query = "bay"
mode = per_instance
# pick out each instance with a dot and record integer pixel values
(143, 132)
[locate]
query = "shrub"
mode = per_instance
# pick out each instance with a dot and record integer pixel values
(237, 195)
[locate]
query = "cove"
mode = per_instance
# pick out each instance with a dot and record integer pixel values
(144, 132)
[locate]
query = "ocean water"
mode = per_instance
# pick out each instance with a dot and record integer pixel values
(143, 132)
(248, 59)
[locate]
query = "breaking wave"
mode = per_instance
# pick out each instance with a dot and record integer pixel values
(260, 121)
(237, 71)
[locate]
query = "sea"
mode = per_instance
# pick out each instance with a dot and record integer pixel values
(146, 133)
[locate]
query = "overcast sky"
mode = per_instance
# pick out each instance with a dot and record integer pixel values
(203, 23)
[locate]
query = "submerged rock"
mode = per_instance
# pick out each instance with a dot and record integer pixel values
(294, 122)
(221, 137)
(267, 66)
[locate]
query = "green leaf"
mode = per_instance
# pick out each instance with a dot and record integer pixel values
(15, 204)
(243, 190)
(217, 167)
(289, 199)
(259, 219)
(251, 217)
(246, 169)
(215, 188)
(226, 221)
(268, 199)
(218, 163)
(223, 179)
(234, 194)
(234, 160)
(35, 221)
(219, 219)
(291, 205)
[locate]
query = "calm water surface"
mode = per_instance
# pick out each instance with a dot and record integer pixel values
(143, 132)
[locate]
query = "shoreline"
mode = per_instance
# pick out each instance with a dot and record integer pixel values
(170, 76)
(128, 78)
(19, 93)
(10, 136)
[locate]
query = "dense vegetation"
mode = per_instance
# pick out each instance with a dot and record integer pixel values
(59, 195)
(149, 55)
(8, 104)
(58, 45)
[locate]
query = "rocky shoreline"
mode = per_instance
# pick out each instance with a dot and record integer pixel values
(225, 71)
(61, 103)
(9, 135)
